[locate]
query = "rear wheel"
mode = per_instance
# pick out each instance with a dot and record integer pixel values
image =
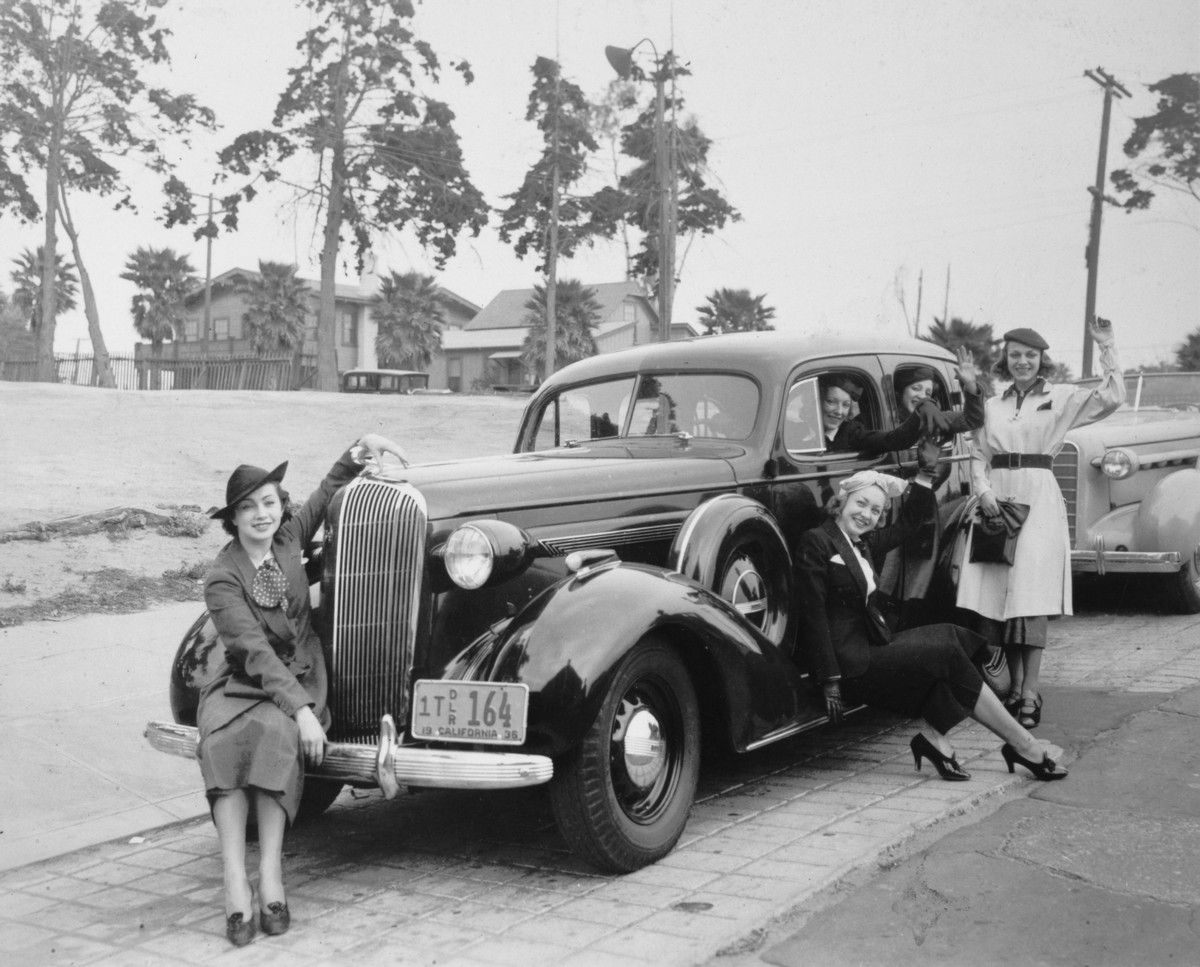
(621, 799)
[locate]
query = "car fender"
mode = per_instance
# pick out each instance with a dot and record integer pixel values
(1115, 528)
(567, 643)
(1168, 519)
(714, 530)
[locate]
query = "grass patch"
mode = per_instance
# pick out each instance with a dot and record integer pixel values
(11, 586)
(112, 590)
(185, 523)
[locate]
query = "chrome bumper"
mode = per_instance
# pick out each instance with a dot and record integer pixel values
(389, 764)
(1100, 561)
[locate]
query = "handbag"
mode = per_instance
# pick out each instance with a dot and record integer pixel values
(994, 539)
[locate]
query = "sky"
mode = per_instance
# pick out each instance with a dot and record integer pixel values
(871, 146)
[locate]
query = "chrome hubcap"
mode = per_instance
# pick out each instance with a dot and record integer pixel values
(643, 748)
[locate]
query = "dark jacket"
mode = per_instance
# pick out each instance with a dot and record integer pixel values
(270, 653)
(836, 628)
(853, 437)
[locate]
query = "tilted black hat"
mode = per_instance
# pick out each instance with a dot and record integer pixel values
(243, 482)
(1028, 337)
(912, 374)
(842, 382)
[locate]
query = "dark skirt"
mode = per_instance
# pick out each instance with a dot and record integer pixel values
(259, 749)
(927, 672)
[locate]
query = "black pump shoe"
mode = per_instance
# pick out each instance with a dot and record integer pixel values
(276, 918)
(1045, 770)
(947, 766)
(239, 929)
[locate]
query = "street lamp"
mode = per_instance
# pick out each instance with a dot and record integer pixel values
(621, 59)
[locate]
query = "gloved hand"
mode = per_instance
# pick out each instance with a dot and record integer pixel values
(928, 454)
(934, 423)
(833, 701)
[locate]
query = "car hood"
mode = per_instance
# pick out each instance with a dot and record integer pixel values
(1129, 427)
(493, 485)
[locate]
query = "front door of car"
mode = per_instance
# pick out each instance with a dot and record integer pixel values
(807, 463)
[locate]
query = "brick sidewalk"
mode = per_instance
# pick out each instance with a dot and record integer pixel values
(461, 879)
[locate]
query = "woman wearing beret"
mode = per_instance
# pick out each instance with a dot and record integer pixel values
(1024, 428)
(264, 714)
(907, 572)
(927, 671)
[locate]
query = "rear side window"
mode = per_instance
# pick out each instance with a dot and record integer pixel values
(591, 412)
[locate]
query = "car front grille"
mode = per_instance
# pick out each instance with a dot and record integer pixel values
(1066, 472)
(378, 555)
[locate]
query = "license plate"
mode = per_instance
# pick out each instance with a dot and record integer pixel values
(486, 712)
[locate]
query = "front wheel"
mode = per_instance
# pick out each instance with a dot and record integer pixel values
(621, 799)
(1185, 586)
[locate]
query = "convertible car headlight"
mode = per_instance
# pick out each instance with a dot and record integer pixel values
(486, 551)
(1119, 464)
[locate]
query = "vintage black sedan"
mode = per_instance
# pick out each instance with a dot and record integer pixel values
(593, 609)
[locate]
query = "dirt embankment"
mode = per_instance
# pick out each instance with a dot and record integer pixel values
(68, 451)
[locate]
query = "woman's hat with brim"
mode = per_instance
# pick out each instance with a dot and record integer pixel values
(1027, 337)
(243, 482)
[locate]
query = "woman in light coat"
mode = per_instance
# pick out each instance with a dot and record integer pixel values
(1012, 458)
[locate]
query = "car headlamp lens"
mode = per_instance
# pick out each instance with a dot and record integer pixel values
(469, 557)
(1118, 464)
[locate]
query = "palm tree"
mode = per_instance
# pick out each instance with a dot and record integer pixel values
(278, 305)
(576, 314)
(735, 310)
(979, 340)
(163, 279)
(408, 310)
(27, 279)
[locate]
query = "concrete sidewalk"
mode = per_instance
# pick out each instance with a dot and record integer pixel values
(74, 698)
(452, 878)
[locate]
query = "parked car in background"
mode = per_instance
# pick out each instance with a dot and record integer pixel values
(1132, 486)
(384, 381)
(591, 610)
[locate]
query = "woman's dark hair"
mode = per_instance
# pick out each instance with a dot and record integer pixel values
(230, 528)
(839, 381)
(1001, 367)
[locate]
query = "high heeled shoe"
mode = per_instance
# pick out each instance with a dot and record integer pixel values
(1045, 770)
(947, 765)
(239, 929)
(1029, 712)
(276, 918)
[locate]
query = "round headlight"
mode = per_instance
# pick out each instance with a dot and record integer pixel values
(1119, 464)
(469, 556)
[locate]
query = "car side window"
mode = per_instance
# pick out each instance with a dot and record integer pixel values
(802, 418)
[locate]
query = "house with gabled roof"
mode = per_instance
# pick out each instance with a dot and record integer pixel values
(486, 352)
(356, 330)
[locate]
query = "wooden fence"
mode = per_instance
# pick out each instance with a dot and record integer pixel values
(225, 373)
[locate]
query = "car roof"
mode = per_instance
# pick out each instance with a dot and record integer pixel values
(772, 354)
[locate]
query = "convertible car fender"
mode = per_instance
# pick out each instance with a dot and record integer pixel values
(567, 643)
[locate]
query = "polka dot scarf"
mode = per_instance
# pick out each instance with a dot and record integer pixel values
(270, 586)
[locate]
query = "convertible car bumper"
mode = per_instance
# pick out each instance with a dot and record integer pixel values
(1101, 561)
(389, 764)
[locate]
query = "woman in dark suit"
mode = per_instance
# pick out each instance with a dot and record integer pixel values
(926, 671)
(264, 712)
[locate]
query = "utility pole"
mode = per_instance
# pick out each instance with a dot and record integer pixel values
(920, 286)
(946, 303)
(1112, 88)
(666, 258)
(551, 353)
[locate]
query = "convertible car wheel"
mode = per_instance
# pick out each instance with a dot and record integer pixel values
(622, 798)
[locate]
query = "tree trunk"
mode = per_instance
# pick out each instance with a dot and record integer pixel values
(46, 370)
(102, 373)
(298, 366)
(327, 375)
(156, 364)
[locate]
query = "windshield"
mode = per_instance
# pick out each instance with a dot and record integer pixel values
(1176, 391)
(712, 405)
